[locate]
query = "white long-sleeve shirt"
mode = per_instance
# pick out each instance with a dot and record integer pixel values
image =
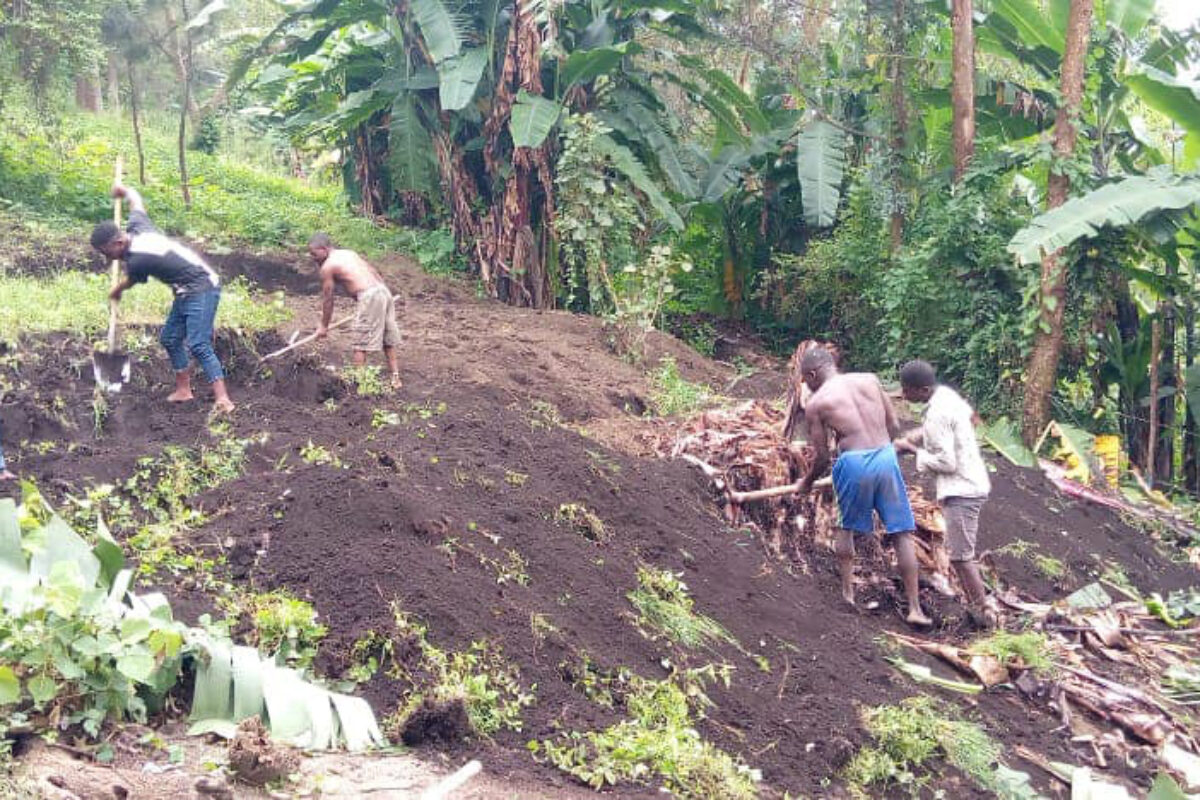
(950, 450)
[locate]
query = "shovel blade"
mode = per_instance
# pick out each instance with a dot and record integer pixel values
(111, 370)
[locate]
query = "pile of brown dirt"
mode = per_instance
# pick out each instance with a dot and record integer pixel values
(449, 508)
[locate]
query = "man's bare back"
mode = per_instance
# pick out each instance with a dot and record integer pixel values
(855, 407)
(351, 270)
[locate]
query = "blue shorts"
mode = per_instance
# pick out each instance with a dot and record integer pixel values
(869, 481)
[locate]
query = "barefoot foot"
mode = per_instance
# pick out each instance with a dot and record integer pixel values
(917, 617)
(180, 396)
(396, 383)
(5, 475)
(224, 406)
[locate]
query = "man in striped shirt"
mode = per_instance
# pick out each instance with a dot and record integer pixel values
(189, 326)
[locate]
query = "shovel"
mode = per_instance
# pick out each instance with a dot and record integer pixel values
(301, 342)
(111, 368)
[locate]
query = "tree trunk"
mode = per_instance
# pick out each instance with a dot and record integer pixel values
(137, 126)
(1191, 463)
(962, 90)
(185, 69)
(1152, 442)
(87, 93)
(1164, 468)
(113, 84)
(179, 56)
(899, 123)
(1047, 342)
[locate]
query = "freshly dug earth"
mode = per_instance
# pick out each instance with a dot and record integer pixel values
(450, 515)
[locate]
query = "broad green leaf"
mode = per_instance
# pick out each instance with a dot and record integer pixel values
(438, 29)
(723, 173)
(1089, 597)
(87, 646)
(1165, 788)
(65, 588)
(1129, 16)
(1011, 784)
(659, 142)
(1003, 436)
(1078, 442)
(137, 666)
(627, 164)
(357, 722)
(165, 642)
(108, 553)
(247, 683)
(212, 697)
(226, 729)
(1176, 98)
(287, 707)
(1126, 202)
(1034, 28)
(732, 95)
(584, 66)
(820, 165)
(410, 149)
(135, 629)
(459, 77)
(64, 544)
(532, 119)
(12, 559)
(10, 686)
(68, 668)
(41, 688)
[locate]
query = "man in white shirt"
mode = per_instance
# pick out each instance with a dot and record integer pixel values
(946, 445)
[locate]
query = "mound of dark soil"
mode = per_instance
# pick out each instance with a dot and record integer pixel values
(448, 509)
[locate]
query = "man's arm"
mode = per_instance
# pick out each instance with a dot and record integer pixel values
(818, 437)
(123, 284)
(132, 195)
(327, 283)
(938, 452)
(889, 413)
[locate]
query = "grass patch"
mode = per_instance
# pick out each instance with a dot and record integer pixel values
(657, 743)
(77, 303)
(367, 380)
(1049, 567)
(671, 395)
(488, 685)
(910, 735)
(1030, 649)
(665, 609)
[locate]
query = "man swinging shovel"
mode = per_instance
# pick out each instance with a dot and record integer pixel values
(197, 287)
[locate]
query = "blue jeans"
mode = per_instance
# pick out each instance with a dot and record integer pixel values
(189, 328)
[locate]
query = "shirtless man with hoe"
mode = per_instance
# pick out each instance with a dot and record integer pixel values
(375, 325)
(866, 475)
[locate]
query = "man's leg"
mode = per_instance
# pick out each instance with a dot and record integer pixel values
(393, 366)
(843, 547)
(972, 580)
(907, 558)
(172, 338)
(202, 313)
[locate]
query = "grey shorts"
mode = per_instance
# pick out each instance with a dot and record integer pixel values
(962, 525)
(375, 321)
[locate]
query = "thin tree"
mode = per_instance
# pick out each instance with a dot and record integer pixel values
(962, 87)
(1048, 338)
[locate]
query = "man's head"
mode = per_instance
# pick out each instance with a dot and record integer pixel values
(319, 247)
(917, 381)
(816, 366)
(109, 239)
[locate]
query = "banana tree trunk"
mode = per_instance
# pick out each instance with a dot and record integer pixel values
(1048, 339)
(899, 123)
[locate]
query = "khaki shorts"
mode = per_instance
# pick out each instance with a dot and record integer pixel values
(375, 324)
(962, 525)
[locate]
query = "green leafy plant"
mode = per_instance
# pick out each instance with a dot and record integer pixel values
(911, 734)
(318, 454)
(382, 418)
(367, 380)
(657, 743)
(672, 395)
(1030, 649)
(489, 686)
(666, 609)
(284, 627)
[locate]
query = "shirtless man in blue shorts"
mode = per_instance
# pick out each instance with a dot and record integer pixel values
(866, 475)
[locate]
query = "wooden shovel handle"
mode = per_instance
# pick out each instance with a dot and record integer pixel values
(300, 342)
(115, 267)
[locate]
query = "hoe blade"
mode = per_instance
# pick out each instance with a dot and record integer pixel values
(111, 370)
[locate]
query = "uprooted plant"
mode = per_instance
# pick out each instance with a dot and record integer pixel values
(666, 609)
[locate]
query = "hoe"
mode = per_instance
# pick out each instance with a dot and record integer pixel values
(111, 368)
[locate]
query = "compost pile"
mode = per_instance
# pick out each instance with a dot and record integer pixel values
(743, 449)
